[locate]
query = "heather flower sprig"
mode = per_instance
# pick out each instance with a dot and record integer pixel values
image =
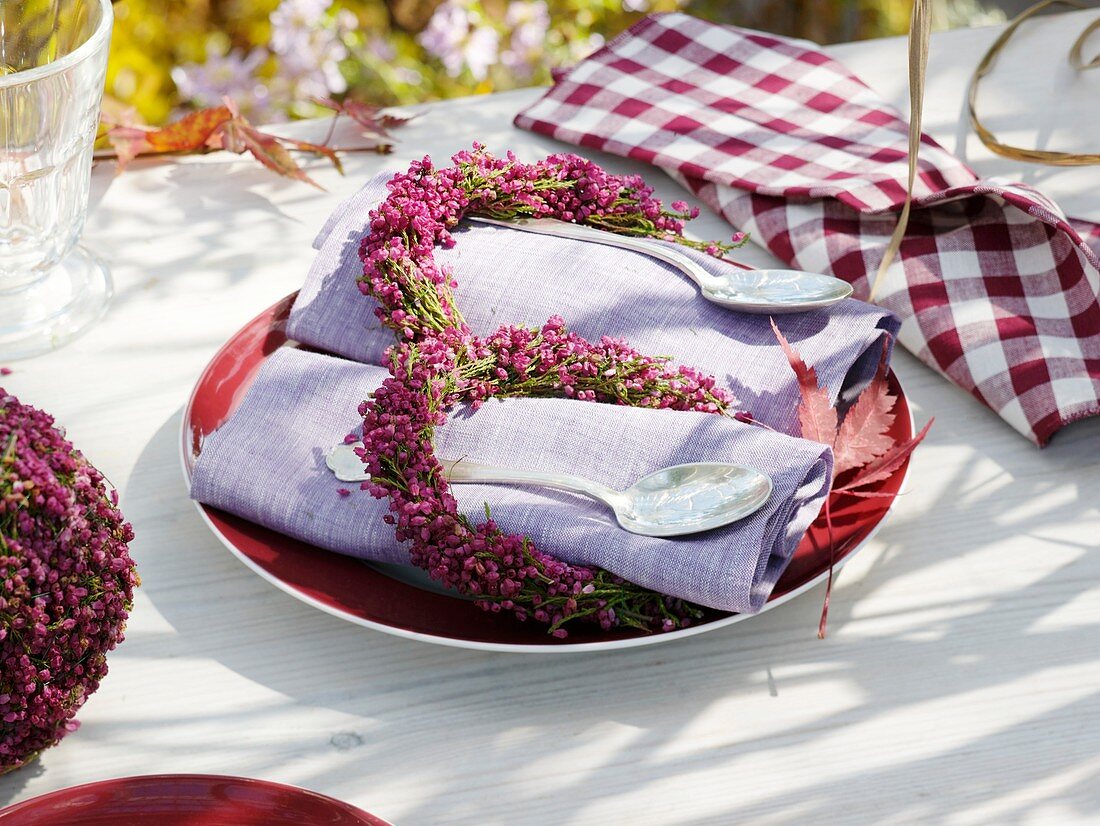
(438, 363)
(552, 361)
(571, 188)
(415, 296)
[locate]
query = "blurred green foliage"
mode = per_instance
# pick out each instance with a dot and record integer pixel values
(275, 56)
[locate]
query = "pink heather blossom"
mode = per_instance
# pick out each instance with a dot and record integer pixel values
(67, 582)
(437, 363)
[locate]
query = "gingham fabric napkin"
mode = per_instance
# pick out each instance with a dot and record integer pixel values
(507, 276)
(267, 464)
(995, 287)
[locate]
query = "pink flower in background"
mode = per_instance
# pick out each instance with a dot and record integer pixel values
(293, 21)
(232, 75)
(529, 22)
(459, 37)
(381, 49)
(310, 47)
(308, 44)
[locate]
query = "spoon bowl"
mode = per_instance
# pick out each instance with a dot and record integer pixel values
(775, 292)
(691, 498)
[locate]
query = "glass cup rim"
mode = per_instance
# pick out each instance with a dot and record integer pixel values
(85, 50)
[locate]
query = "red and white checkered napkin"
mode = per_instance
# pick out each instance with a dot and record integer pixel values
(995, 287)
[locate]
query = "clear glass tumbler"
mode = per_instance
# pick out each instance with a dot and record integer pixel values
(53, 59)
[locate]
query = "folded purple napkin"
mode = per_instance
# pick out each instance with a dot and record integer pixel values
(512, 277)
(267, 464)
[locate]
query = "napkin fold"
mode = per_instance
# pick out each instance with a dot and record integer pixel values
(267, 465)
(996, 289)
(508, 276)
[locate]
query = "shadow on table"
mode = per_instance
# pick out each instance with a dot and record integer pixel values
(596, 729)
(196, 194)
(12, 785)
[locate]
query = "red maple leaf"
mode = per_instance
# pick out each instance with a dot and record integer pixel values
(373, 122)
(816, 414)
(884, 466)
(861, 441)
(864, 434)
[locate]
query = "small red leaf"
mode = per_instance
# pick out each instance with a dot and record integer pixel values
(239, 136)
(884, 466)
(375, 125)
(816, 414)
(316, 148)
(863, 435)
(269, 152)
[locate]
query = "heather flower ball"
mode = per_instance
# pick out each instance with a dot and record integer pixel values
(66, 581)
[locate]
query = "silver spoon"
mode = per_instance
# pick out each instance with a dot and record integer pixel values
(750, 291)
(676, 500)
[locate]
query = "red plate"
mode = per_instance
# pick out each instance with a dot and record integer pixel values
(367, 595)
(185, 800)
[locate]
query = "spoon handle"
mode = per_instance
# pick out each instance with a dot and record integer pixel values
(464, 471)
(343, 461)
(579, 232)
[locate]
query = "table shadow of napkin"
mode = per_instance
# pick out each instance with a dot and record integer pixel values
(508, 276)
(267, 465)
(995, 287)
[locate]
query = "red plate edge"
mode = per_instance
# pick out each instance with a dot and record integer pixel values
(185, 800)
(353, 590)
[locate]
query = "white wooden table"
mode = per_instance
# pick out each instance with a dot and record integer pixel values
(960, 682)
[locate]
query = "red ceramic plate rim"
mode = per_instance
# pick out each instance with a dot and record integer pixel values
(46, 804)
(214, 519)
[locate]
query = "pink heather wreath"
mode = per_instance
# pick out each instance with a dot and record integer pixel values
(437, 363)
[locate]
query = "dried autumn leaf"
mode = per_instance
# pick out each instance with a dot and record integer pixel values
(317, 149)
(191, 133)
(864, 433)
(816, 414)
(375, 125)
(862, 440)
(884, 466)
(219, 127)
(239, 136)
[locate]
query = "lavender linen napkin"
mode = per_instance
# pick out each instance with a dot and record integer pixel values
(512, 277)
(267, 464)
